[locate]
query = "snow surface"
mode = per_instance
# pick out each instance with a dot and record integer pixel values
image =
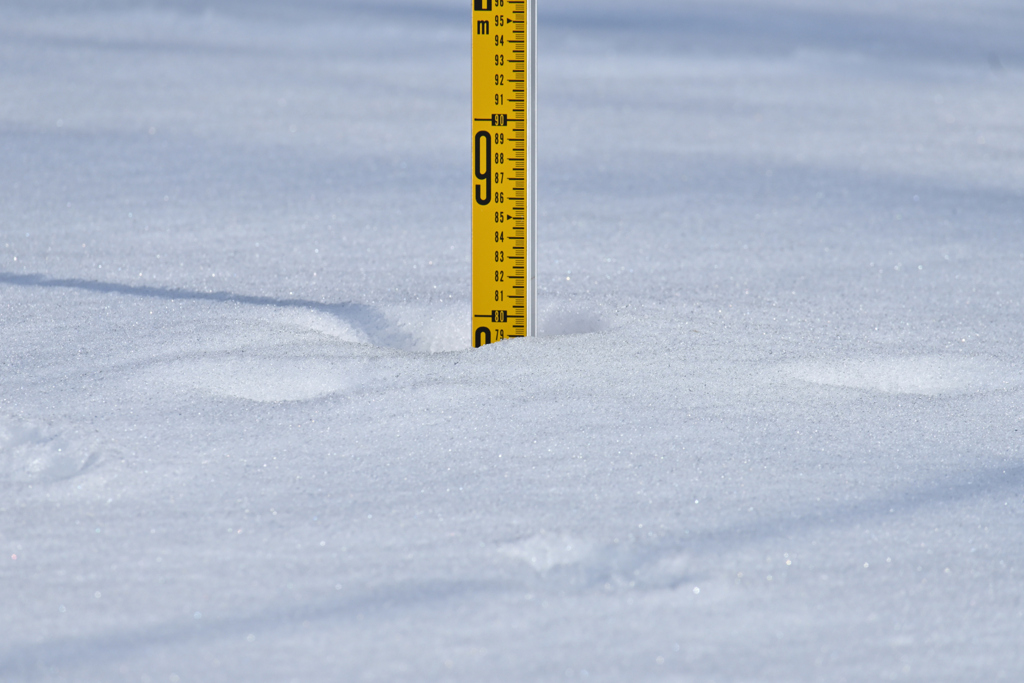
(772, 430)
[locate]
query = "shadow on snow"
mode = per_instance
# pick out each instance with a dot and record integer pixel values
(367, 319)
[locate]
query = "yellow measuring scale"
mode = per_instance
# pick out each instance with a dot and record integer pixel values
(504, 216)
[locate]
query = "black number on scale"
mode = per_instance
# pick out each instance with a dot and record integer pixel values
(499, 99)
(499, 217)
(499, 79)
(499, 257)
(499, 60)
(499, 235)
(499, 276)
(482, 336)
(483, 153)
(499, 177)
(499, 19)
(499, 40)
(499, 296)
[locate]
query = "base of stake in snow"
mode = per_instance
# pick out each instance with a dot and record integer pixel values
(504, 225)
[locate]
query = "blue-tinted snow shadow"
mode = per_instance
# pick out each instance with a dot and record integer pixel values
(331, 20)
(706, 199)
(776, 28)
(378, 329)
(22, 662)
(675, 179)
(983, 36)
(609, 563)
(184, 168)
(630, 560)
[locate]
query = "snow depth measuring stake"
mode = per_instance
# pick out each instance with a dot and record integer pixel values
(504, 216)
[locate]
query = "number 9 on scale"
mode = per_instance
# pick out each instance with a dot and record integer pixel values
(482, 157)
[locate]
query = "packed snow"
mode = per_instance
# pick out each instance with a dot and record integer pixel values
(771, 428)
